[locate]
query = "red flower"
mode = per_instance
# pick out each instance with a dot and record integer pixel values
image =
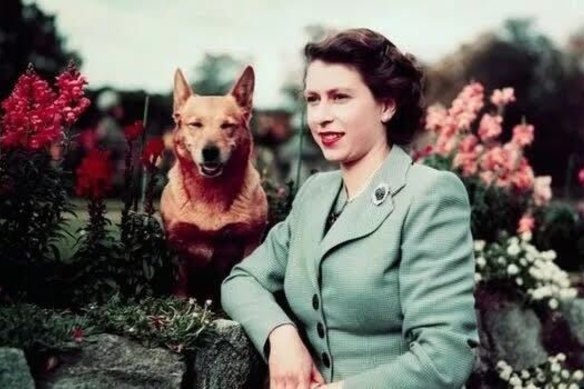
(581, 177)
(152, 151)
(158, 321)
(134, 130)
(94, 175)
(77, 334)
(34, 115)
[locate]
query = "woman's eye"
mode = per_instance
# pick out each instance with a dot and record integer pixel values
(340, 97)
(196, 125)
(310, 99)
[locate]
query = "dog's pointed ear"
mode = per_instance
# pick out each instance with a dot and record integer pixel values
(243, 88)
(182, 91)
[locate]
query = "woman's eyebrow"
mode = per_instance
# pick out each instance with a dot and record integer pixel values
(332, 90)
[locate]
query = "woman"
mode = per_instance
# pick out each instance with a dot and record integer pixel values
(375, 259)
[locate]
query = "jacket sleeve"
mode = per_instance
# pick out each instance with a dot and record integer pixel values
(436, 286)
(247, 292)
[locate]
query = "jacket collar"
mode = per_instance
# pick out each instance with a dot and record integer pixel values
(361, 217)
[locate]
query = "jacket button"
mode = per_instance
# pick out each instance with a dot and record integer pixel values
(320, 329)
(326, 360)
(315, 302)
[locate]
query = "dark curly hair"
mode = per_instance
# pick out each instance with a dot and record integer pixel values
(385, 70)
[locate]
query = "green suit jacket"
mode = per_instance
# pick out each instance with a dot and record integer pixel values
(385, 298)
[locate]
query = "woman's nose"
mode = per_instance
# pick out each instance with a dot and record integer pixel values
(321, 114)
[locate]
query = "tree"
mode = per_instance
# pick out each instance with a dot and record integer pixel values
(216, 74)
(28, 35)
(548, 86)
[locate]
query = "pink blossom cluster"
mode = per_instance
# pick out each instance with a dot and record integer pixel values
(471, 139)
(35, 114)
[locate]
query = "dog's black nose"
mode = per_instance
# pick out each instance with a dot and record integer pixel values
(210, 153)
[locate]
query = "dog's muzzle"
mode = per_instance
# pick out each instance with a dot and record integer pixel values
(211, 169)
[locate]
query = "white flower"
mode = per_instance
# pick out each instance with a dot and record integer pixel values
(565, 373)
(502, 260)
(513, 250)
(561, 357)
(478, 277)
(555, 367)
(515, 381)
(549, 255)
(479, 245)
(568, 293)
(519, 281)
(524, 374)
(578, 375)
(208, 302)
(512, 269)
(481, 262)
(505, 374)
(553, 303)
(562, 386)
(526, 236)
(523, 262)
(573, 386)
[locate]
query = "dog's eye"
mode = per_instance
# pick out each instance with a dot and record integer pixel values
(226, 126)
(196, 125)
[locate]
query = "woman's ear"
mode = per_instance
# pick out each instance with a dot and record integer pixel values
(387, 109)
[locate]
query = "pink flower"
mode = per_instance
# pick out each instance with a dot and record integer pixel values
(77, 333)
(502, 97)
(435, 117)
(134, 130)
(542, 192)
(468, 162)
(522, 135)
(152, 151)
(495, 159)
(466, 105)
(35, 115)
(523, 178)
(487, 177)
(94, 174)
(490, 127)
(468, 143)
(581, 177)
(417, 154)
(445, 144)
(526, 224)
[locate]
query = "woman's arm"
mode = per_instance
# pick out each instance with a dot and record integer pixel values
(436, 286)
(247, 293)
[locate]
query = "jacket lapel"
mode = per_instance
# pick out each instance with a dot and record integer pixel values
(361, 217)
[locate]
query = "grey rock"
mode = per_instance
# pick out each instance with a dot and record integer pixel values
(110, 361)
(229, 360)
(573, 312)
(511, 332)
(14, 371)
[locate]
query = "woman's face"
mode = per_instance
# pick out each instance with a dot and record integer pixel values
(344, 118)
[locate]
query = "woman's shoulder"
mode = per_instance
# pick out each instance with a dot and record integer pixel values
(423, 179)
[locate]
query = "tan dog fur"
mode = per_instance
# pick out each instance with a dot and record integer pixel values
(212, 221)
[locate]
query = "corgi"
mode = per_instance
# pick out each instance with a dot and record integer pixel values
(213, 208)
